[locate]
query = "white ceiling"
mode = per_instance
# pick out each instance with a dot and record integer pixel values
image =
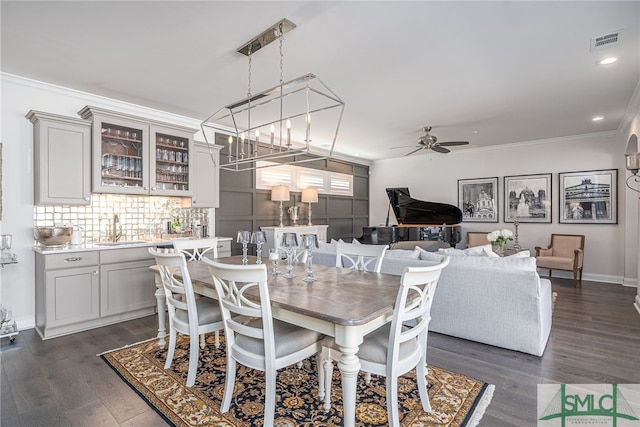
(510, 71)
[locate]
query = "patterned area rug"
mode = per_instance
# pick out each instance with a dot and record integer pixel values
(456, 400)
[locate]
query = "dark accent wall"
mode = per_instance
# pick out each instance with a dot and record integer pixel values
(243, 207)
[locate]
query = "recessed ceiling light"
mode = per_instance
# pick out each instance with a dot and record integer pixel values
(607, 61)
(475, 131)
(597, 118)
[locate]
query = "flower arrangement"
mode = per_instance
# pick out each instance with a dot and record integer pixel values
(500, 237)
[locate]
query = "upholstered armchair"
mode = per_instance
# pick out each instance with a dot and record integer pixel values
(565, 252)
(475, 238)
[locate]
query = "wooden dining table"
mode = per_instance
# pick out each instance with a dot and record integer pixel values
(343, 303)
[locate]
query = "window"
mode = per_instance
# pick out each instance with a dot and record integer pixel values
(298, 178)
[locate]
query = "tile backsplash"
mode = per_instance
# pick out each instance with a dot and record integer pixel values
(141, 217)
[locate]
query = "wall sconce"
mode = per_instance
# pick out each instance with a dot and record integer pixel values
(633, 163)
(310, 195)
(280, 193)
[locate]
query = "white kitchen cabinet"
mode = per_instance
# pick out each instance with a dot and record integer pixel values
(76, 291)
(67, 292)
(62, 159)
(133, 155)
(126, 283)
(206, 184)
(274, 234)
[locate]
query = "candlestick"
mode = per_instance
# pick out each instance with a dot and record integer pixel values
(516, 245)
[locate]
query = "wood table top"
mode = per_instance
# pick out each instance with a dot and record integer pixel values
(340, 296)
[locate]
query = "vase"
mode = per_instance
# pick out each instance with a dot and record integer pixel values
(499, 248)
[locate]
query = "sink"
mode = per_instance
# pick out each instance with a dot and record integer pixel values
(123, 243)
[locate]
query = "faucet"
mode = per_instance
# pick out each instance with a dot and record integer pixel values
(116, 232)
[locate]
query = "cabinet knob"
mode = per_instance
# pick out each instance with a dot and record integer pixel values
(87, 199)
(146, 188)
(152, 188)
(95, 272)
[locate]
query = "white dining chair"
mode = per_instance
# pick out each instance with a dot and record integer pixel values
(360, 257)
(261, 343)
(394, 349)
(187, 315)
(194, 249)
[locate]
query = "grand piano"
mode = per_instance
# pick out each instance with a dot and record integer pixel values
(417, 220)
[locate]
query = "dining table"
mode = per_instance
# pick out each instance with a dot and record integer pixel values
(343, 303)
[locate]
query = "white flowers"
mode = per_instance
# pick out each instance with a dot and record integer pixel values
(500, 237)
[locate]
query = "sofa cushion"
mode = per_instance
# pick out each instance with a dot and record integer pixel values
(525, 264)
(403, 253)
(521, 254)
(429, 256)
(427, 245)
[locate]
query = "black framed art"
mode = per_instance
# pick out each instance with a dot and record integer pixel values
(589, 197)
(527, 198)
(478, 199)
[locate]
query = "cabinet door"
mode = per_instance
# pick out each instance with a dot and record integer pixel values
(171, 162)
(126, 287)
(206, 183)
(62, 160)
(120, 156)
(72, 296)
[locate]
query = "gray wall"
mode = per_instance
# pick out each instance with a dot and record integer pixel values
(243, 207)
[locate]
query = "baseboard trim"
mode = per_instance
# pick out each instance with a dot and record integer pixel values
(603, 278)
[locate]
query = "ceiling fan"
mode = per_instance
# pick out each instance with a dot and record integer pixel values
(428, 141)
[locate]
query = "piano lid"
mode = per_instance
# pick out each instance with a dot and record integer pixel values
(413, 211)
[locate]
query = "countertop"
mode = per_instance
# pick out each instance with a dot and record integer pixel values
(109, 245)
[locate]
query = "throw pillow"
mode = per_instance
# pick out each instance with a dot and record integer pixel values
(451, 251)
(478, 250)
(490, 253)
(403, 253)
(429, 256)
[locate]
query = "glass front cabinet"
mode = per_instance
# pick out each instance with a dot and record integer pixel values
(132, 155)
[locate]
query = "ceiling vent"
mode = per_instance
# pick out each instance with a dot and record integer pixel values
(606, 41)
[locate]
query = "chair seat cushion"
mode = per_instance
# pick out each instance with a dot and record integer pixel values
(555, 262)
(374, 346)
(208, 311)
(288, 338)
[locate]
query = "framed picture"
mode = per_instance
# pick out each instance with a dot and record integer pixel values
(589, 197)
(527, 198)
(478, 199)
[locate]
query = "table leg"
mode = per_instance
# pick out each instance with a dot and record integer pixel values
(162, 309)
(349, 365)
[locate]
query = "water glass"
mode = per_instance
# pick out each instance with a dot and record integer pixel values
(274, 257)
(259, 239)
(289, 244)
(244, 237)
(309, 242)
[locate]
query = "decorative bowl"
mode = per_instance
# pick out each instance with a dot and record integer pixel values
(53, 236)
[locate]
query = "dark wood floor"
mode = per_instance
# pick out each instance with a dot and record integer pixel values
(595, 339)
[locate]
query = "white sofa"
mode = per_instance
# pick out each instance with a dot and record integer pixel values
(497, 301)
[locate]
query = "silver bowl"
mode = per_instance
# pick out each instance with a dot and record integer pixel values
(53, 236)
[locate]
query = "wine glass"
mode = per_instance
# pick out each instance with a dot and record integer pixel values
(309, 241)
(289, 244)
(244, 237)
(259, 239)
(274, 257)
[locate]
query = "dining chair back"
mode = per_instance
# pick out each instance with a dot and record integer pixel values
(394, 349)
(194, 249)
(187, 315)
(253, 338)
(360, 257)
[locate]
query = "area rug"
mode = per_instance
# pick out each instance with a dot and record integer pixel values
(456, 400)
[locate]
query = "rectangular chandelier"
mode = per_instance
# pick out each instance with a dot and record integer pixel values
(293, 122)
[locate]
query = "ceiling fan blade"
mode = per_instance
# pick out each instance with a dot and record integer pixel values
(408, 154)
(440, 149)
(450, 143)
(402, 146)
